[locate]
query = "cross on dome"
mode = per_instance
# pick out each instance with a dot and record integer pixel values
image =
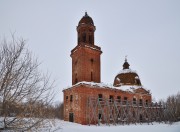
(126, 64)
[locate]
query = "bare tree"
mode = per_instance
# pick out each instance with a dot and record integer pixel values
(173, 107)
(59, 110)
(25, 92)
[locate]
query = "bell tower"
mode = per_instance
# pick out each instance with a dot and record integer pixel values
(86, 61)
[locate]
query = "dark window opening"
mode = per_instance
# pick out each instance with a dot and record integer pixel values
(66, 98)
(140, 118)
(140, 102)
(146, 102)
(92, 61)
(91, 76)
(76, 80)
(71, 98)
(119, 98)
(100, 97)
(111, 98)
(100, 116)
(90, 39)
(134, 100)
(84, 37)
(125, 100)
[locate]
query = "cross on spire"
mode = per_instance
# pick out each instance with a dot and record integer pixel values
(86, 14)
(126, 58)
(126, 64)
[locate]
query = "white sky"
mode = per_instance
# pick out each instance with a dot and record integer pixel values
(147, 31)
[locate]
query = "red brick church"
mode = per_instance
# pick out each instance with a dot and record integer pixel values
(88, 100)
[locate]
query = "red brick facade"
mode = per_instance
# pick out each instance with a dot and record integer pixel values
(86, 63)
(81, 92)
(86, 79)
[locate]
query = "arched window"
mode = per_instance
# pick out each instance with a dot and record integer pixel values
(92, 61)
(90, 39)
(119, 99)
(140, 102)
(66, 98)
(146, 102)
(100, 97)
(76, 80)
(125, 100)
(84, 37)
(91, 76)
(71, 98)
(134, 101)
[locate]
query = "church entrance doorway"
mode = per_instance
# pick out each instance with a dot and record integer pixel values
(71, 117)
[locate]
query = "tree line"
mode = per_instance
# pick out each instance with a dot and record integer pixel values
(171, 108)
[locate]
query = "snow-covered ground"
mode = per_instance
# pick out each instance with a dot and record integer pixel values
(63, 126)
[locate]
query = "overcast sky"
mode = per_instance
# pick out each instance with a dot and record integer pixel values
(147, 31)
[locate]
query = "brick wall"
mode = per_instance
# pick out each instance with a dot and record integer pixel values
(86, 65)
(82, 92)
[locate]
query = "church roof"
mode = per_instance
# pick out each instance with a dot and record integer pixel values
(127, 76)
(86, 19)
(125, 88)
